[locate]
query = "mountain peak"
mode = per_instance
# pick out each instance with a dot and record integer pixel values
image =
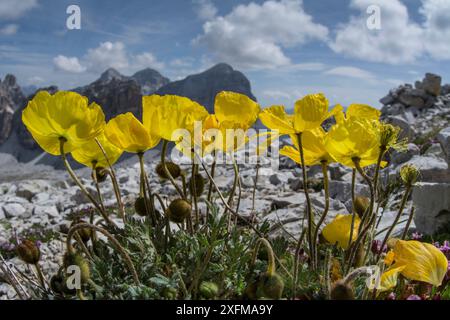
(221, 67)
(111, 74)
(150, 80)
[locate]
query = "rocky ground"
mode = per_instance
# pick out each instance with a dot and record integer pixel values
(41, 200)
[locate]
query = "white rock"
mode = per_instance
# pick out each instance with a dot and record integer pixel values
(432, 201)
(12, 210)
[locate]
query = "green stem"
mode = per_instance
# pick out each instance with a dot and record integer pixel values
(78, 182)
(111, 238)
(210, 188)
(194, 194)
(167, 172)
(271, 267)
(411, 216)
(296, 263)
(400, 212)
(352, 225)
(308, 201)
(327, 206)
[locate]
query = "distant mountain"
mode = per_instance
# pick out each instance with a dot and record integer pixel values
(11, 98)
(29, 90)
(150, 80)
(204, 87)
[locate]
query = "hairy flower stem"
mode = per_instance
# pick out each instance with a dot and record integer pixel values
(40, 275)
(194, 194)
(114, 182)
(271, 268)
(79, 184)
(352, 225)
(410, 218)
(145, 190)
(296, 263)
(224, 202)
(111, 238)
(399, 213)
(97, 187)
(310, 216)
(235, 182)
(254, 186)
(210, 188)
(325, 210)
(364, 227)
(167, 172)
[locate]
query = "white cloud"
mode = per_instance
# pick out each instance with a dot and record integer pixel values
(147, 60)
(205, 9)
(9, 29)
(255, 35)
(68, 64)
(13, 9)
(398, 41)
(351, 72)
(35, 80)
(437, 28)
(108, 55)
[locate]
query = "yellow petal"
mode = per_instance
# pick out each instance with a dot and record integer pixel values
(310, 112)
(338, 231)
(362, 111)
(91, 155)
(389, 259)
(64, 114)
(423, 261)
(236, 108)
(129, 134)
(276, 118)
(389, 279)
(164, 115)
(353, 139)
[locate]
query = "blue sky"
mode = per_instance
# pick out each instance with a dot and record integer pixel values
(287, 48)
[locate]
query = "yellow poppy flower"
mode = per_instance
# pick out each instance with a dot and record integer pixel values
(129, 134)
(422, 261)
(164, 115)
(92, 156)
(62, 115)
(389, 279)
(309, 113)
(353, 139)
(235, 109)
(338, 230)
(313, 143)
(389, 258)
(357, 111)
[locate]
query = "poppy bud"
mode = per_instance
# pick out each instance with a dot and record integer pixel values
(209, 290)
(84, 233)
(173, 168)
(409, 174)
(178, 210)
(139, 206)
(197, 184)
(361, 204)
(250, 291)
(100, 174)
(74, 259)
(29, 252)
(342, 291)
(270, 286)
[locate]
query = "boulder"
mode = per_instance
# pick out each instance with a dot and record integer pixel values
(401, 157)
(413, 98)
(14, 210)
(432, 202)
(432, 84)
(432, 169)
(406, 130)
(342, 191)
(444, 139)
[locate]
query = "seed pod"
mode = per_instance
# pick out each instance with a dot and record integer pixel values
(178, 210)
(84, 233)
(270, 286)
(100, 174)
(361, 204)
(173, 168)
(74, 259)
(199, 185)
(342, 291)
(29, 252)
(209, 290)
(139, 206)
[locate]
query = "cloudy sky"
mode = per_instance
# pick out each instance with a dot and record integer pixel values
(287, 48)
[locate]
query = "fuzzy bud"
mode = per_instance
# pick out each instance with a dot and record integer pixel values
(209, 290)
(270, 286)
(342, 291)
(197, 184)
(74, 259)
(28, 252)
(178, 210)
(409, 174)
(173, 168)
(139, 206)
(361, 204)
(100, 174)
